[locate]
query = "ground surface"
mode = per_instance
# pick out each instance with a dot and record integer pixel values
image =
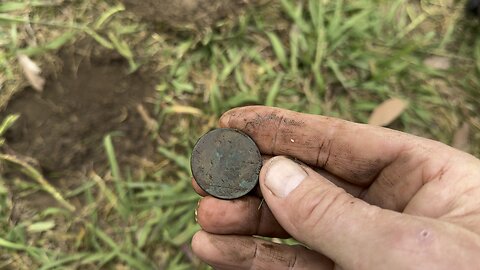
(63, 126)
(95, 171)
(186, 13)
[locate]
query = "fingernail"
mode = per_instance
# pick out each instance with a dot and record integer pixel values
(283, 176)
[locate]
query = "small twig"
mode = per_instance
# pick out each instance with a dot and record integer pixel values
(151, 124)
(261, 203)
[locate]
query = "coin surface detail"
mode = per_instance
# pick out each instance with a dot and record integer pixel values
(226, 163)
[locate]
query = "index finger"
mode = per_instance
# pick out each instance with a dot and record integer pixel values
(354, 152)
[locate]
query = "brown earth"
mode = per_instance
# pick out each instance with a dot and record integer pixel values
(62, 128)
(188, 13)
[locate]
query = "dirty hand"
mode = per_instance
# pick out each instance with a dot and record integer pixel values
(383, 199)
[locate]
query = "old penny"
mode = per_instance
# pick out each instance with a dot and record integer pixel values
(226, 163)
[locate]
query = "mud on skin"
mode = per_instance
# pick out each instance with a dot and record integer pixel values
(315, 153)
(263, 253)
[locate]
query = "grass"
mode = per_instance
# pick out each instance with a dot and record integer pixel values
(338, 58)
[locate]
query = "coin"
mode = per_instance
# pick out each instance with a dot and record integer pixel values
(226, 163)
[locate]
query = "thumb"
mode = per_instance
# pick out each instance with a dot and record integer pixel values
(351, 232)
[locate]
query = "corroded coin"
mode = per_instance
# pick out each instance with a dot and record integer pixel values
(226, 163)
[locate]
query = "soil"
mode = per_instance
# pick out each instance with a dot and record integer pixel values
(187, 13)
(62, 128)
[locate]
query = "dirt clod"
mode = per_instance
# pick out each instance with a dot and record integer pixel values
(63, 127)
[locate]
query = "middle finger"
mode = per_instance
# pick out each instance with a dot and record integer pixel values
(245, 216)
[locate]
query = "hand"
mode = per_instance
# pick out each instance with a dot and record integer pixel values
(385, 200)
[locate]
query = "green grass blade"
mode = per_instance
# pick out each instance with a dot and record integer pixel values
(63, 261)
(34, 174)
(55, 44)
(117, 177)
(8, 122)
(41, 226)
(10, 245)
(181, 161)
(107, 15)
(278, 49)
(273, 93)
(12, 6)
(112, 158)
(102, 41)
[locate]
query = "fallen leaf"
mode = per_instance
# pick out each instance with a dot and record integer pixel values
(387, 112)
(32, 72)
(461, 138)
(437, 62)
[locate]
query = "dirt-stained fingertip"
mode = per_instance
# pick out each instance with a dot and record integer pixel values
(225, 118)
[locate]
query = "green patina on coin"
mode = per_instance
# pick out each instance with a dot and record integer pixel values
(226, 163)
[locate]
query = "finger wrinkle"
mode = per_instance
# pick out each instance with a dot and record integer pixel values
(320, 148)
(387, 198)
(325, 207)
(438, 174)
(395, 160)
(269, 253)
(460, 207)
(274, 142)
(328, 156)
(294, 263)
(327, 143)
(367, 170)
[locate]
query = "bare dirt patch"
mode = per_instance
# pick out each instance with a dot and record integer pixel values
(62, 128)
(185, 13)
